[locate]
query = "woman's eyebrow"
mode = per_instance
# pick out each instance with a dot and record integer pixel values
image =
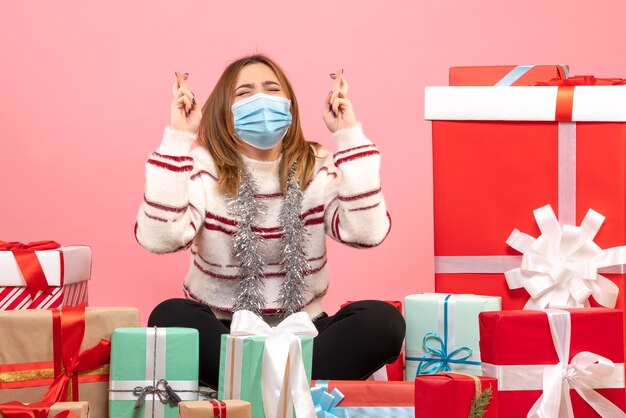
(270, 83)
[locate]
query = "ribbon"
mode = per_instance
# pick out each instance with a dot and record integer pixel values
(29, 264)
(583, 373)
(162, 390)
(32, 410)
(219, 408)
(282, 361)
(68, 332)
(517, 72)
(326, 403)
(560, 268)
(436, 360)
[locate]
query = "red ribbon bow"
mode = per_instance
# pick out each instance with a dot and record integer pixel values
(69, 330)
(33, 410)
(565, 93)
(29, 263)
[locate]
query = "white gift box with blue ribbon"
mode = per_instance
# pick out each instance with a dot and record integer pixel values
(442, 332)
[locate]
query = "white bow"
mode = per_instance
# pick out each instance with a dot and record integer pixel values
(585, 369)
(560, 268)
(284, 377)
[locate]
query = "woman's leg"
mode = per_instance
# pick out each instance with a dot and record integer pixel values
(190, 314)
(357, 340)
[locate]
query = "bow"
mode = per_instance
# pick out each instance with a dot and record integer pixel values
(560, 268)
(437, 360)
(584, 369)
(282, 360)
(326, 403)
(29, 263)
(162, 389)
(582, 80)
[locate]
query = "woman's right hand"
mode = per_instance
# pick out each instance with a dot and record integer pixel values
(185, 111)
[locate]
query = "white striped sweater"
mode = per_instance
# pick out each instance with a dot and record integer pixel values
(182, 209)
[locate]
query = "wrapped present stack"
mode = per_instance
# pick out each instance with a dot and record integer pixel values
(528, 178)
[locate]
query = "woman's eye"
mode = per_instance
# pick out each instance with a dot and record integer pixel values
(241, 93)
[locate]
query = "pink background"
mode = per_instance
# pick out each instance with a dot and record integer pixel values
(85, 90)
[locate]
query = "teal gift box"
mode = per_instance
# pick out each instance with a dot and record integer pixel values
(442, 332)
(151, 370)
(241, 370)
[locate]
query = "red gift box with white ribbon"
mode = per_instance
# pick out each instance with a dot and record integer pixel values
(501, 152)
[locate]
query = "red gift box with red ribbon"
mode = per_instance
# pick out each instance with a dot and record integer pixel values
(58, 355)
(501, 152)
(510, 75)
(565, 362)
(43, 275)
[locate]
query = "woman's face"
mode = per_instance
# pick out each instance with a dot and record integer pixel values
(257, 78)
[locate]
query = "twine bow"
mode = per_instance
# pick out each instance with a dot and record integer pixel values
(162, 390)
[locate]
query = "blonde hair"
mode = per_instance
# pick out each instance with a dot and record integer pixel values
(217, 134)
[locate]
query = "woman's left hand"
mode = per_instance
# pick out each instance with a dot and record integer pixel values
(338, 111)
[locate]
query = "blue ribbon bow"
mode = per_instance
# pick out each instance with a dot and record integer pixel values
(326, 403)
(437, 360)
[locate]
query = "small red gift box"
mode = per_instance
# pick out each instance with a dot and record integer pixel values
(393, 371)
(508, 75)
(453, 395)
(544, 358)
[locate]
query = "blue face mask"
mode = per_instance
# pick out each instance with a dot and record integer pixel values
(262, 120)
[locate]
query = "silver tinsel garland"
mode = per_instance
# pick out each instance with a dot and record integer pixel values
(246, 247)
(293, 261)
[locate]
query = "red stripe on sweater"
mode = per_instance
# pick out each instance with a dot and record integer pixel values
(173, 157)
(201, 172)
(356, 157)
(269, 311)
(232, 222)
(156, 218)
(364, 208)
(212, 227)
(270, 275)
(266, 233)
(352, 149)
(360, 195)
(268, 196)
(170, 167)
(166, 208)
(337, 234)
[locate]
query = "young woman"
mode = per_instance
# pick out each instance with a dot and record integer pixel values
(253, 203)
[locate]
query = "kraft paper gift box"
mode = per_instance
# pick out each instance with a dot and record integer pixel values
(505, 75)
(214, 409)
(259, 362)
(454, 395)
(147, 365)
(40, 410)
(391, 371)
(442, 332)
(501, 152)
(544, 358)
(363, 399)
(43, 343)
(43, 275)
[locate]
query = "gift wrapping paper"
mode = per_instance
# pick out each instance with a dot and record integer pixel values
(505, 75)
(522, 349)
(80, 409)
(363, 399)
(233, 408)
(442, 332)
(149, 359)
(395, 370)
(450, 395)
(29, 362)
(501, 152)
(243, 357)
(66, 270)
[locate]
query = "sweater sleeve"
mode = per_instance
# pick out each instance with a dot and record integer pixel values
(356, 213)
(173, 207)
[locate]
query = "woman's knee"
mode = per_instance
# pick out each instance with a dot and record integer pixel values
(172, 312)
(383, 321)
